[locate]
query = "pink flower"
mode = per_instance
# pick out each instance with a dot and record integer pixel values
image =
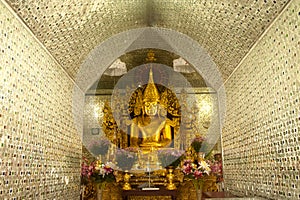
(198, 139)
(198, 174)
(216, 167)
(187, 167)
(107, 170)
(87, 170)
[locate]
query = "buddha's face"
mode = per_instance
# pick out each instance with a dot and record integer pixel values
(151, 108)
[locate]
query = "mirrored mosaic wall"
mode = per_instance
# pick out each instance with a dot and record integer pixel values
(261, 135)
(39, 146)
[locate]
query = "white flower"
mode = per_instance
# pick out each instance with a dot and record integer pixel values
(102, 172)
(111, 165)
(205, 166)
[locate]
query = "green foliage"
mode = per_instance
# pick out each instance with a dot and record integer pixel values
(197, 143)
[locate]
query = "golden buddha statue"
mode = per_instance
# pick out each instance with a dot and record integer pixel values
(150, 126)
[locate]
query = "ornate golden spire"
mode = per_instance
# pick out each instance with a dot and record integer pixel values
(151, 93)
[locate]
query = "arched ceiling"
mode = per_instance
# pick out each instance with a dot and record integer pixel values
(70, 29)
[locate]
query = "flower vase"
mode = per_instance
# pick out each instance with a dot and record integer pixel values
(198, 184)
(199, 194)
(82, 191)
(99, 190)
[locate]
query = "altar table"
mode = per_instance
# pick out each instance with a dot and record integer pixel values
(138, 192)
(207, 195)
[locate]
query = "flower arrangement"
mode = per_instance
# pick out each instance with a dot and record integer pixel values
(170, 157)
(103, 173)
(126, 157)
(96, 172)
(196, 171)
(100, 146)
(217, 169)
(87, 169)
(197, 143)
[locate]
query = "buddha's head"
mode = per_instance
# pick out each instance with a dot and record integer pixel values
(151, 96)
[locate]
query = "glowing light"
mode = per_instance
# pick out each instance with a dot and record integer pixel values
(205, 108)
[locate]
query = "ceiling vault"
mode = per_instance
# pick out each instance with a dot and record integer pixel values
(71, 29)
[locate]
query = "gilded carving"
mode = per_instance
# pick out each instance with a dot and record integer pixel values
(109, 125)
